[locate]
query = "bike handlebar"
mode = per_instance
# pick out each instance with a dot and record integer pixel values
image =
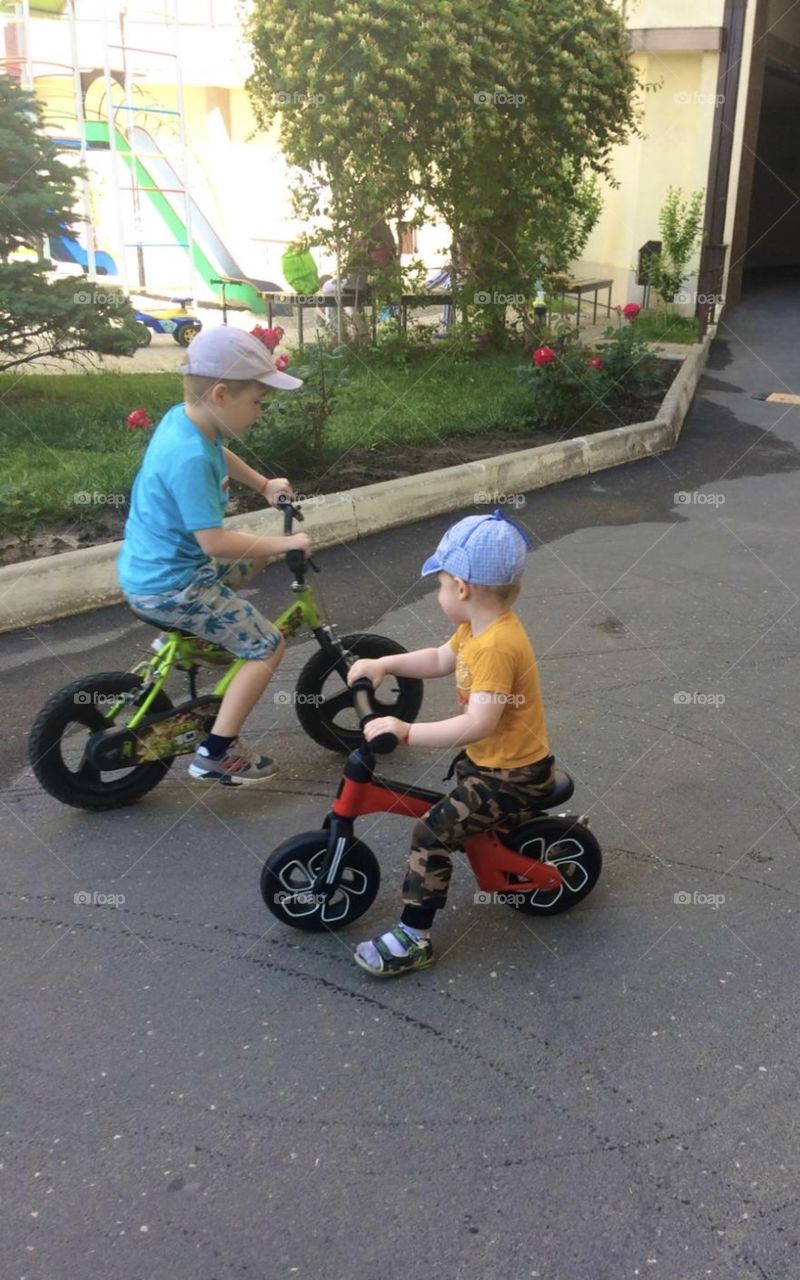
(295, 558)
(385, 742)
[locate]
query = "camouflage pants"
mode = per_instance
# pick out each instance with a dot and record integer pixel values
(483, 798)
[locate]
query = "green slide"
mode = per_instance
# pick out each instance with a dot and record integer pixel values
(210, 256)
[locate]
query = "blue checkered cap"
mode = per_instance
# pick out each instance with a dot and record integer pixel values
(488, 551)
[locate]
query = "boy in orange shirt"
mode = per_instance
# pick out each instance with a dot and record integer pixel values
(505, 765)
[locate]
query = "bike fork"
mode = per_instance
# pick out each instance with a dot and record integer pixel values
(340, 836)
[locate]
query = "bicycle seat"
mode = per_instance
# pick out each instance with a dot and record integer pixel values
(151, 622)
(563, 788)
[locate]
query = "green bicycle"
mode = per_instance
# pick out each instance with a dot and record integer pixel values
(105, 740)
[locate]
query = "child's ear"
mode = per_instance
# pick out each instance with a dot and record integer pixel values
(463, 589)
(218, 394)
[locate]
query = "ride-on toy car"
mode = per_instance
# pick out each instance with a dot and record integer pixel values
(177, 321)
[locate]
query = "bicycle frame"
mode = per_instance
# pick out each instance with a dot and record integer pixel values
(361, 793)
(185, 651)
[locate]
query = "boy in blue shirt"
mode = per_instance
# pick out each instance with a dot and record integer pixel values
(179, 566)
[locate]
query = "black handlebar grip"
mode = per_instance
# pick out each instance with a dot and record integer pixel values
(296, 561)
(385, 742)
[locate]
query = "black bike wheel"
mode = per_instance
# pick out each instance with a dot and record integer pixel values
(571, 847)
(58, 738)
(325, 706)
(289, 873)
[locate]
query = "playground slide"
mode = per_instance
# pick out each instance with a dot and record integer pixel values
(211, 258)
(66, 249)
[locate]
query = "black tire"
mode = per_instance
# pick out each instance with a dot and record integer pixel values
(144, 338)
(570, 846)
(83, 786)
(321, 715)
(186, 333)
(290, 871)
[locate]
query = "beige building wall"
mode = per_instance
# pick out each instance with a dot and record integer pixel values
(677, 114)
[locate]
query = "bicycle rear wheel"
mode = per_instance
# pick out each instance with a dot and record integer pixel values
(565, 843)
(63, 727)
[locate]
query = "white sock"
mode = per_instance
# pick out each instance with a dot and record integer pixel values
(369, 952)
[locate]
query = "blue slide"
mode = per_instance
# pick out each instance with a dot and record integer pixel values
(68, 249)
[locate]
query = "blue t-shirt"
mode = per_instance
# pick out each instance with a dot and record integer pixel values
(182, 485)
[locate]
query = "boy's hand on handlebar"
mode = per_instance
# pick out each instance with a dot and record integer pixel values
(276, 488)
(386, 724)
(299, 542)
(371, 669)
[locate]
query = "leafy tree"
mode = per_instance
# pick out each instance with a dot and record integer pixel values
(42, 317)
(680, 221)
(489, 114)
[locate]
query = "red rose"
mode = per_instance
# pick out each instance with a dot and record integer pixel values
(139, 418)
(595, 363)
(270, 337)
(282, 363)
(631, 310)
(543, 356)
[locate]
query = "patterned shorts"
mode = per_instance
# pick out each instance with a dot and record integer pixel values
(210, 608)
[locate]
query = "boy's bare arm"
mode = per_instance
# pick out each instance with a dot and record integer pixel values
(422, 664)
(240, 471)
(480, 718)
(228, 544)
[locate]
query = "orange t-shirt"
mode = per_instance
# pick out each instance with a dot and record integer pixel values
(501, 660)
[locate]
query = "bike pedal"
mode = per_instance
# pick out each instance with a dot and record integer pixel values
(158, 737)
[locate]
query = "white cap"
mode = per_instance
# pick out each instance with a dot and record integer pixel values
(225, 352)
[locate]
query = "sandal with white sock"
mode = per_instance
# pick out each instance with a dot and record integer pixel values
(415, 953)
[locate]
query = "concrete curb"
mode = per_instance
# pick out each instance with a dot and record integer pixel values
(36, 591)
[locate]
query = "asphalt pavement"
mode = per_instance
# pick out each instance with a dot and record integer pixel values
(192, 1090)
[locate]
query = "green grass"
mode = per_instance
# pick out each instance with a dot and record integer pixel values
(662, 326)
(433, 397)
(64, 435)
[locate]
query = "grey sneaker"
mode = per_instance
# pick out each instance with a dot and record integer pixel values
(239, 767)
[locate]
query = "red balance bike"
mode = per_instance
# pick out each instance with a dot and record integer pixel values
(327, 879)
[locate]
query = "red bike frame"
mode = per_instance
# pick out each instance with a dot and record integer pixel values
(491, 860)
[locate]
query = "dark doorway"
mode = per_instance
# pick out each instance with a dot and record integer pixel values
(773, 231)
